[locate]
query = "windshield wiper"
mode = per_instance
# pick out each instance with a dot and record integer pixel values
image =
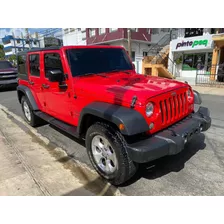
(91, 73)
(118, 70)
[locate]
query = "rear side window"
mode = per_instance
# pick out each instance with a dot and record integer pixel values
(52, 61)
(22, 69)
(34, 62)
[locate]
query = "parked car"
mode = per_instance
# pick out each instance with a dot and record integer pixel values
(8, 74)
(94, 93)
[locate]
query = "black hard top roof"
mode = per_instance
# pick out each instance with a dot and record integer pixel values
(40, 49)
(65, 47)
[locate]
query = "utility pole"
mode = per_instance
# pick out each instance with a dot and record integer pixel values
(22, 40)
(14, 41)
(28, 37)
(129, 42)
(171, 30)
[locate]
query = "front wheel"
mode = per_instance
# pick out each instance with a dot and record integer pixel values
(106, 149)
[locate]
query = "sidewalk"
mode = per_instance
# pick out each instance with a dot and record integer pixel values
(202, 89)
(209, 90)
(27, 168)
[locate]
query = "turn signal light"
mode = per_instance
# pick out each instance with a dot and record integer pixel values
(121, 127)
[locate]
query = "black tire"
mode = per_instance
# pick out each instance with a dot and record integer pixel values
(125, 167)
(34, 120)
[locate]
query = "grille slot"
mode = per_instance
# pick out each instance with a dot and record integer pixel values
(173, 108)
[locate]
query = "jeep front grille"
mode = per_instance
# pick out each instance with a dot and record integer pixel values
(173, 108)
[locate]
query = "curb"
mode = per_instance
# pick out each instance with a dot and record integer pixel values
(59, 152)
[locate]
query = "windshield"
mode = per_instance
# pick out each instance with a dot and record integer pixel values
(97, 60)
(5, 65)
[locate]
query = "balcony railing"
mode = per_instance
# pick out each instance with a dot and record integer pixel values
(212, 75)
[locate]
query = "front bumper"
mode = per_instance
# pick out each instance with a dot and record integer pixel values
(171, 140)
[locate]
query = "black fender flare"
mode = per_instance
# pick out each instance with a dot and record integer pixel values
(133, 121)
(27, 92)
(197, 97)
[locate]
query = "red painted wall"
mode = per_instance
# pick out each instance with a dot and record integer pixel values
(121, 33)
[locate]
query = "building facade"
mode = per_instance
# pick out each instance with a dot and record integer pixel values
(192, 51)
(145, 41)
(13, 45)
(74, 36)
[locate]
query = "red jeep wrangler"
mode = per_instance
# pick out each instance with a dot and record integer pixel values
(94, 93)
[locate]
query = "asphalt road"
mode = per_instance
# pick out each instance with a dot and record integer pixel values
(198, 170)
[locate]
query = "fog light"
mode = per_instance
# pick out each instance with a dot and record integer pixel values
(151, 126)
(201, 127)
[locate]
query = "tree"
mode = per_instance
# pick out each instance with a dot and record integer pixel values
(12, 59)
(2, 53)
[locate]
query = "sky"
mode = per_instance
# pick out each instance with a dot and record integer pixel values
(18, 31)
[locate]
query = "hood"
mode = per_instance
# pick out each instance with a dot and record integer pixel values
(8, 71)
(122, 87)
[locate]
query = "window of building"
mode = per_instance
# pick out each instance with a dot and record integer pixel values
(34, 62)
(192, 32)
(18, 41)
(113, 29)
(6, 41)
(134, 29)
(72, 30)
(52, 61)
(145, 53)
(155, 31)
(133, 56)
(102, 30)
(92, 32)
(22, 64)
(66, 30)
(194, 61)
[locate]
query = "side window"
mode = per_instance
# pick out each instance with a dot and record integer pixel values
(52, 61)
(21, 61)
(34, 62)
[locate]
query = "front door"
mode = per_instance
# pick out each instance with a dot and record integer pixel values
(58, 101)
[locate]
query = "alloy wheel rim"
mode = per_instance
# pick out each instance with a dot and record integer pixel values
(27, 111)
(104, 155)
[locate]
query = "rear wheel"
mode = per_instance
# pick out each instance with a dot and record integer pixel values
(106, 148)
(30, 117)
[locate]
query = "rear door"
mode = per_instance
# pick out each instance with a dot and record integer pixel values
(35, 79)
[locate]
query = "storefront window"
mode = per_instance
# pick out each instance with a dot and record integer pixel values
(209, 62)
(194, 61)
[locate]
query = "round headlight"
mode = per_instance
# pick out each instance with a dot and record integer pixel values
(149, 109)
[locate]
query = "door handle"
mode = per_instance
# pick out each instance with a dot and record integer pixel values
(45, 86)
(31, 82)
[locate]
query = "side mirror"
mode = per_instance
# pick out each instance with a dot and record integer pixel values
(133, 66)
(55, 75)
